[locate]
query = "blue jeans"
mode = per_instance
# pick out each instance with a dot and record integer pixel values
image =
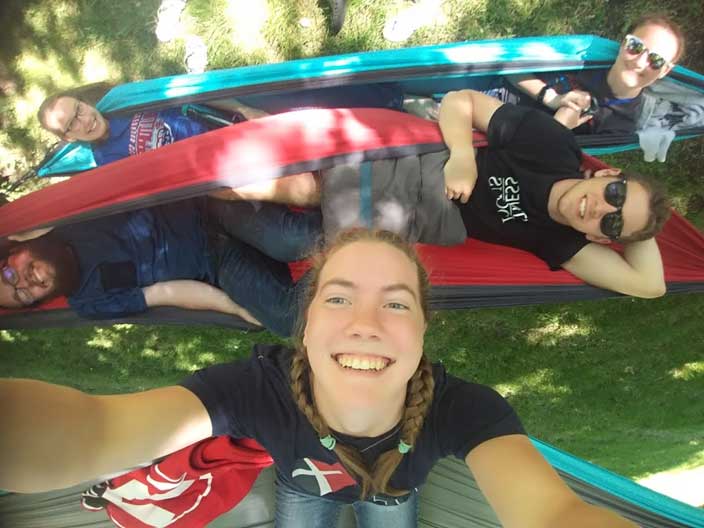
(252, 243)
(273, 229)
(299, 510)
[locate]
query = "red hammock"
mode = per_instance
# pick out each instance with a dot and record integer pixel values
(469, 275)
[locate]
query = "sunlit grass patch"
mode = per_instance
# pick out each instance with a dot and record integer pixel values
(103, 338)
(97, 66)
(554, 331)
(688, 371)
(14, 336)
(6, 336)
(540, 382)
(246, 20)
(151, 353)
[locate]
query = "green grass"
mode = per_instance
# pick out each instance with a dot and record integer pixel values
(618, 382)
(602, 380)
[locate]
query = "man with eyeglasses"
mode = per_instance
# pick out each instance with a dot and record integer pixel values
(599, 102)
(197, 254)
(526, 190)
(35, 270)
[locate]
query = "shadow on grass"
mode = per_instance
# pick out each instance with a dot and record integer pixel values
(584, 373)
(120, 358)
(602, 380)
(58, 45)
(15, 35)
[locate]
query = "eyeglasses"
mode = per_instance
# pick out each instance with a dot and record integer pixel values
(635, 46)
(612, 223)
(12, 278)
(76, 114)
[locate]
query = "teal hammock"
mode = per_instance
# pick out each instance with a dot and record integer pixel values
(427, 70)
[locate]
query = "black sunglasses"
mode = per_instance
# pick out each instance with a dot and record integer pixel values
(612, 223)
(636, 46)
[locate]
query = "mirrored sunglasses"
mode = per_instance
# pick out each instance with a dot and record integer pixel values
(636, 47)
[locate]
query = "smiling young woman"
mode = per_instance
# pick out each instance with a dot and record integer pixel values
(354, 415)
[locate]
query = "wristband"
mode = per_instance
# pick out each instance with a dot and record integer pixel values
(541, 94)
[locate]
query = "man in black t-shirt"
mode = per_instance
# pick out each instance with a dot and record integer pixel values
(526, 190)
(599, 102)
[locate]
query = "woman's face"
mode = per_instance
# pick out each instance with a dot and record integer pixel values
(77, 121)
(364, 335)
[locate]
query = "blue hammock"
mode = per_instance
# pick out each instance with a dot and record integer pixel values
(427, 70)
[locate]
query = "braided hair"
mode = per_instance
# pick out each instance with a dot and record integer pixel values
(419, 392)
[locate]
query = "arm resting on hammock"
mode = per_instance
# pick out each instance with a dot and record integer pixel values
(460, 112)
(54, 437)
(194, 295)
(29, 235)
(233, 105)
(577, 100)
(526, 492)
(639, 272)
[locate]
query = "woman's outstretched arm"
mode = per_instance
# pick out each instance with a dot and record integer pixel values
(526, 492)
(54, 436)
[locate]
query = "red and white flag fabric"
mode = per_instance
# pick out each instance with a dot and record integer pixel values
(188, 488)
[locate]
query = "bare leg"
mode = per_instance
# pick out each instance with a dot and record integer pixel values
(302, 190)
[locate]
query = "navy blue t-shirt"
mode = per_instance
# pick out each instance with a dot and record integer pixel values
(143, 132)
(150, 130)
(252, 399)
(119, 255)
(612, 116)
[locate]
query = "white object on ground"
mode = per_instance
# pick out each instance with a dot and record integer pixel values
(407, 21)
(168, 23)
(655, 142)
(196, 58)
(684, 485)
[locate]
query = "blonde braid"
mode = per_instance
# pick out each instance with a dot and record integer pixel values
(420, 396)
(300, 374)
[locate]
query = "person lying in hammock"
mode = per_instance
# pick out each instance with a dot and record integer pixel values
(525, 190)
(354, 414)
(199, 254)
(72, 118)
(599, 102)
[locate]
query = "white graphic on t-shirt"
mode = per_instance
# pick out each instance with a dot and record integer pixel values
(508, 201)
(148, 131)
(319, 474)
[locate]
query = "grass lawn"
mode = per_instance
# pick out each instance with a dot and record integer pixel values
(618, 382)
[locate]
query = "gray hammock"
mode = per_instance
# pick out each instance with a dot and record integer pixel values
(449, 499)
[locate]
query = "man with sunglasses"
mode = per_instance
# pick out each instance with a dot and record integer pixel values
(526, 190)
(599, 102)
